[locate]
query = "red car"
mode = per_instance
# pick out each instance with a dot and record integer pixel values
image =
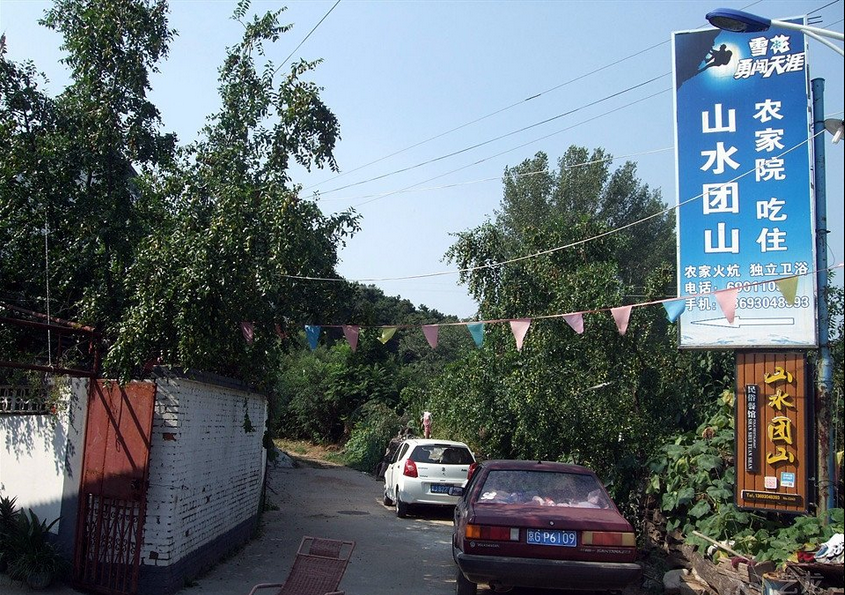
(541, 525)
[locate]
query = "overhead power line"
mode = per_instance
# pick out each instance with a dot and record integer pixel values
(519, 103)
(550, 250)
(488, 179)
(531, 142)
(306, 37)
(500, 137)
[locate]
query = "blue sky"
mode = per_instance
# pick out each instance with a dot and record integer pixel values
(398, 74)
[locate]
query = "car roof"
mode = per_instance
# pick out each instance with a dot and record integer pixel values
(428, 441)
(522, 465)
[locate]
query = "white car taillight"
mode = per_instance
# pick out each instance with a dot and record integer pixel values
(410, 469)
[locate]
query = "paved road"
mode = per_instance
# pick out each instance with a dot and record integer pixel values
(393, 556)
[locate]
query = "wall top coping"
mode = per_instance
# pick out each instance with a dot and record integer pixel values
(166, 372)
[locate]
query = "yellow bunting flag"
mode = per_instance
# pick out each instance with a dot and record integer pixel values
(788, 288)
(387, 333)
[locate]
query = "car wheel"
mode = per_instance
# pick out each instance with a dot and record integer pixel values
(386, 499)
(401, 507)
(463, 586)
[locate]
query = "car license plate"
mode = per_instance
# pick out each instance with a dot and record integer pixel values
(543, 537)
(440, 488)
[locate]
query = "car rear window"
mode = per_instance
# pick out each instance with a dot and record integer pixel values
(441, 454)
(543, 489)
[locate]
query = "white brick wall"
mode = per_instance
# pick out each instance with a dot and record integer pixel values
(41, 455)
(206, 472)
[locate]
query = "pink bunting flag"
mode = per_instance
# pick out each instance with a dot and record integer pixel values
(576, 322)
(351, 333)
(248, 331)
(727, 302)
(431, 331)
(621, 315)
(519, 327)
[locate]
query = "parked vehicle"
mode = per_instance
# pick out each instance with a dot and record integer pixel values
(423, 471)
(540, 525)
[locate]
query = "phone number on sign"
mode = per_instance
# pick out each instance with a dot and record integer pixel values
(757, 303)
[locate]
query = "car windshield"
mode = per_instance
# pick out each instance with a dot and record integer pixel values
(543, 488)
(442, 454)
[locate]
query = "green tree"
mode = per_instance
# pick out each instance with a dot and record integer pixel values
(71, 215)
(599, 398)
(234, 233)
(109, 128)
(166, 249)
(375, 379)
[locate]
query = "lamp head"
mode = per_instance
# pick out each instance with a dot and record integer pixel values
(737, 21)
(835, 127)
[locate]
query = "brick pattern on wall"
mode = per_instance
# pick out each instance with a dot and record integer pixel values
(206, 471)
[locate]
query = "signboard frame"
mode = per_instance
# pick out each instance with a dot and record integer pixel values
(745, 216)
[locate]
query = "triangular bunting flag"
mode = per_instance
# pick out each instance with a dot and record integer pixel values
(282, 334)
(351, 334)
(387, 333)
(674, 309)
(575, 321)
(788, 288)
(247, 330)
(519, 327)
(727, 302)
(621, 315)
(476, 329)
(431, 331)
(312, 331)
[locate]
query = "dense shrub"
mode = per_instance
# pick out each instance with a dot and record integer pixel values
(370, 436)
(693, 482)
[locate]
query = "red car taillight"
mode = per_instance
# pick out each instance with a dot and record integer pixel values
(472, 469)
(617, 538)
(410, 469)
(492, 533)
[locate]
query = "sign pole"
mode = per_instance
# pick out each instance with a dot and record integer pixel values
(826, 462)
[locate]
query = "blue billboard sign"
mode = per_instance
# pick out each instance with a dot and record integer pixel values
(745, 209)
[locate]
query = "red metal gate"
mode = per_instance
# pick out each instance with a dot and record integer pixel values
(113, 493)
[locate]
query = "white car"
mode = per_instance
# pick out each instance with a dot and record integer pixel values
(422, 471)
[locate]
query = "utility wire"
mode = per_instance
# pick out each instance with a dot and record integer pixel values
(306, 37)
(515, 148)
(500, 137)
(555, 249)
(490, 115)
(516, 104)
(489, 179)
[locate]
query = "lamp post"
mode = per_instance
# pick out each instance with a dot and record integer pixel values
(737, 21)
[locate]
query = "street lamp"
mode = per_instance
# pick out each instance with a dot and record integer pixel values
(738, 21)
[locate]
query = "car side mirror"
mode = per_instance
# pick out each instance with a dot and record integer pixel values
(453, 491)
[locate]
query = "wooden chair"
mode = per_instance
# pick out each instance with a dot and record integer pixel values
(317, 569)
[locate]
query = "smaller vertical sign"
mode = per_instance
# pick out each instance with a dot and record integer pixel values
(773, 432)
